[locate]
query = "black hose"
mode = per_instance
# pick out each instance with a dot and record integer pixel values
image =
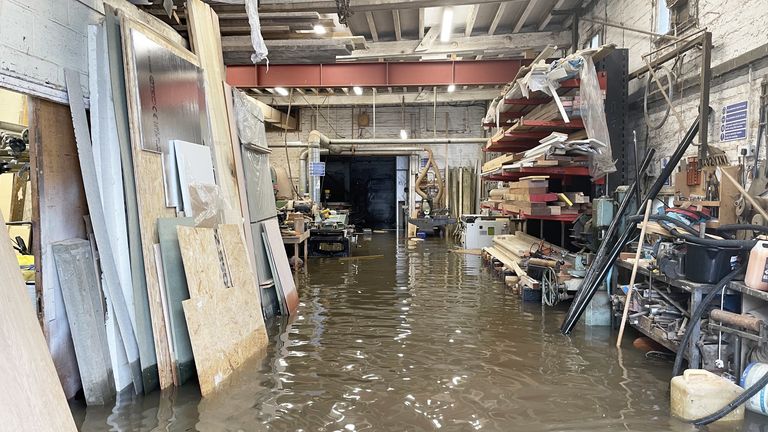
(742, 227)
(741, 244)
(696, 317)
(662, 218)
(732, 405)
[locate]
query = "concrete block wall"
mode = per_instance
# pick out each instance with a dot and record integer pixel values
(39, 38)
(737, 27)
(462, 121)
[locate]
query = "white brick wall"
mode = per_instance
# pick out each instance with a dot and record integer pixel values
(463, 122)
(39, 38)
(737, 26)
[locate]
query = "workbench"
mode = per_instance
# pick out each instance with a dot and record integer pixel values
(296, 241)
(751, 299)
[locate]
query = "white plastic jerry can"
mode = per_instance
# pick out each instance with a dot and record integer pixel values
(757, 268)
(698, 393)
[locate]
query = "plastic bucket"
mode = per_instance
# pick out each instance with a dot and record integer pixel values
(759, 402)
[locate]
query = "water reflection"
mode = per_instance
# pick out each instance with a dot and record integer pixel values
(419, 339)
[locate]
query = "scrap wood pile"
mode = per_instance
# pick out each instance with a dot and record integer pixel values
(531, 197)
(168, 284)
(519, 253)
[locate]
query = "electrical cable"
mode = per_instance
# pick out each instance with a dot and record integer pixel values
(646, 95)
(732, 405)
(697, 314)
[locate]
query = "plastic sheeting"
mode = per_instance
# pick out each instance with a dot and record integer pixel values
(593, 115)
(258, 185)
(260, 50)
(250, 120)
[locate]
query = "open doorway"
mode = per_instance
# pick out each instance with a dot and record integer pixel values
(364, 185)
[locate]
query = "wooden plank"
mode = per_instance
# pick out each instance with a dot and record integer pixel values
(225, 324)
(148, 178)
(83, 300)
(56, 190)
(176, 291)
(276, 249)
(98, 219)
(140, 305)
(164, 300)
(198, 250)
(32, 398)
(205, 37)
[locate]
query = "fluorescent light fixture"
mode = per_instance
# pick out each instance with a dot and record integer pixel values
(447, 28)
(319, 29)
(403, 134)
(451, 88)
(358, 90)
(281, 91)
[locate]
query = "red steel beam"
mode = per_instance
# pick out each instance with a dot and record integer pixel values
(485, 72)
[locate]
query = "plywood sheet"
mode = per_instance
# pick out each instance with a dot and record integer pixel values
(205, 37)
(176, 292)
(202, 264)
(226, 329)
(148, 178)
(276, 249)
(32, 398)
(56, 190)
(237, 258)
(140, 305)
(100, 229)
(83, 300)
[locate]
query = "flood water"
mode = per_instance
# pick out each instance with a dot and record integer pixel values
(421, 339)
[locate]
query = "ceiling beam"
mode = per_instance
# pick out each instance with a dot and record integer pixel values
(379, 74)
(512, 43)
(372, 26)
(524, 17)
(471, 18)
(497, 18)
(384, 98)
(548, 16)
(396, 21)
(329, 6)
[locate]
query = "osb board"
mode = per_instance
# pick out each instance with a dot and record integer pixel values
(200, 255)
(57, 189)
(32, 398)
(205, 38)
(226, 325)
(226, 329)
(148, 178)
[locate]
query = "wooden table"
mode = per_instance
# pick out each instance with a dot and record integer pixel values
(296, 241)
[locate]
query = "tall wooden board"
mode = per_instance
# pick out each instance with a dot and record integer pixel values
(148, 178)
(83, 300)
(143, 321)
(225, 324)
(100, 227)
(32, 398)
(57, 190)
(205, 37)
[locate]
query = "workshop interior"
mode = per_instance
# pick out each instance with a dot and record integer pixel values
(384, 215)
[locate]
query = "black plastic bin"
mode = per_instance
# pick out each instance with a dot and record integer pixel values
(709, 264)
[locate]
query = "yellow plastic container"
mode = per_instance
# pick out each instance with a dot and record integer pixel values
(698, 393)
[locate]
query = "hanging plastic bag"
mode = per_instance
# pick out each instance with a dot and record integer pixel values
(593, 115)
(260, 50)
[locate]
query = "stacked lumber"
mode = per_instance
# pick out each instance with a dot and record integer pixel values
(514, 250)
(529, 196)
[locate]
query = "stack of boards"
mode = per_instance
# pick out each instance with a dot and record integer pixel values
(165, 286)
(530, 196)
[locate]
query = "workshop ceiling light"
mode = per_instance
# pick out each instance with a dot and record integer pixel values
(451, 88)
(447, 28)
(281, 91)
(358, 90)
(319, 29)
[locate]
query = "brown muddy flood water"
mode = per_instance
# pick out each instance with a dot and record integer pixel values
(421, 339)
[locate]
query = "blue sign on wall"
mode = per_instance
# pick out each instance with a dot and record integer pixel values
(317, 169)
(733, 121)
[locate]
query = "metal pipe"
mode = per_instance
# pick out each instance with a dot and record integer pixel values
(623, 27)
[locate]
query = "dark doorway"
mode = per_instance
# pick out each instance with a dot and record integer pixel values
(363, 184)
